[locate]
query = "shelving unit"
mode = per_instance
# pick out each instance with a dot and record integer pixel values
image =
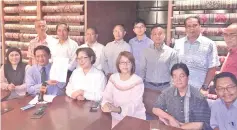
(18, 20)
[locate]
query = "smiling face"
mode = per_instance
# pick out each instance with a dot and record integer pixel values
(84, 60)
(118, 32)
(42, 57)
(125, 65)
(158, 35)
(62, 32)
(180, 79)
(40, 27)
(226, 89)
(91, 36)
(139, 29)
(230, 36)
(14, 57)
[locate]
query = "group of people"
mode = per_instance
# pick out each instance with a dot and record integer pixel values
(118, 73)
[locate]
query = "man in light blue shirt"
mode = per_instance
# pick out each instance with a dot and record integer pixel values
(140, 42)
(39, 73)
(224, 110)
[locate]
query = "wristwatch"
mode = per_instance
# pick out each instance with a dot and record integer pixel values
(204, 87)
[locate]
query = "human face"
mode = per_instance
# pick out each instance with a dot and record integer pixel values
(118, 33)
(139, 29)
(62, 32)
(158, 35)
(83, 60)
(180, 79)
(42, 57)
(230, 36)
(125, 65)
(40, 27)
(193, 28)
(91, 37)
(14, 57)
(226, 89)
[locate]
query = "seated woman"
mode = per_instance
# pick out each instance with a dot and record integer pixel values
(13, 73)
(123, 95)
(86, 82)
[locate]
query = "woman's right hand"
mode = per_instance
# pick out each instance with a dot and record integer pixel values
(107, 107)
(11, 87)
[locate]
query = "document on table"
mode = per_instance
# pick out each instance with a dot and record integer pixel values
(59, 69)
(47, 99)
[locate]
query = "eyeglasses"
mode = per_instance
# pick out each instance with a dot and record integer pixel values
(125, 63)
(229, 89)
(139, 27)
(81, 58)
(192, 26)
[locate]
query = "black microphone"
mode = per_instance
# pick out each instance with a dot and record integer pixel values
(41, 94)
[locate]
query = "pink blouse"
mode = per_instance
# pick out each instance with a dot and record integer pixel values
(126, 94)
(230, 64)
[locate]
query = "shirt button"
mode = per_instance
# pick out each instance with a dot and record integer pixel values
(182, 111)
(181, 101)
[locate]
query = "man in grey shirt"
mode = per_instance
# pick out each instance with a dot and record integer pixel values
(157, 60)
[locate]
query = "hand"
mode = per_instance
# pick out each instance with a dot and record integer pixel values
(173, 122)
(11, 87)
(204, 92)
(43, 89)
(164, 121)
(81, 92)
(107, 107)
(80, 98)
(75, 94)
(52, 82)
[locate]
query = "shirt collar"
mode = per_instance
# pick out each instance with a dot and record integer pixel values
(198, 40)
(65, 42)
(188, 94)
(143, 38)
(158, 49)
(119, 42)
(47, 67)
(45, 40)
(92, 44)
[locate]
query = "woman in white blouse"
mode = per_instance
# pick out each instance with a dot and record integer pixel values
(123, 95)
(86, 81)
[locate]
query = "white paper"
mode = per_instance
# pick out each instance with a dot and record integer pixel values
(59, 69)
(47, 99)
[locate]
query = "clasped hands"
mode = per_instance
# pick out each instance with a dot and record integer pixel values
(109, 107)
(79, 95)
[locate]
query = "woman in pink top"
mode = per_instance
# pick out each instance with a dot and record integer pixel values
(123, 95)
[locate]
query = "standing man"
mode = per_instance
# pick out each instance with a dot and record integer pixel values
(112, 50)
(41, 39)
(38, 74)
(91, 41)
(140, 42)
(199, 53)
(230, 36)
(157, 61)
(65, 46)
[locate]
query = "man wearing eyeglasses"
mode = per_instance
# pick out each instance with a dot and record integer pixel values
(199, 53)
(224, 109)
(230, 36)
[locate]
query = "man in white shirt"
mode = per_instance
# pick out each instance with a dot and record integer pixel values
(91, 41)
(112, 50)
(199, 53)
(65, 47)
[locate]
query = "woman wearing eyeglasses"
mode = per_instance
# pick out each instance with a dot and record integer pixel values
(86, 81)
(13, 73)
(123, 95)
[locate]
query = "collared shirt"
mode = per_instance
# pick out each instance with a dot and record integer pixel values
(222, 117)
(230, 64)
(80, 81)
(137, 48)
(33, 81)
(198, 56)
(110, 55)
(98, 49)
(156, 63)
(66, 50)
(49, 41)
(190, 108)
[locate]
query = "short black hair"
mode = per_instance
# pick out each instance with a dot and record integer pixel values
(42, 47)
(180, 65)
(68, 29)
(122, 25)
(225, 75)
(156, 26)
(139, 21)
(190, 17)
(89, 52)
(94, 29)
